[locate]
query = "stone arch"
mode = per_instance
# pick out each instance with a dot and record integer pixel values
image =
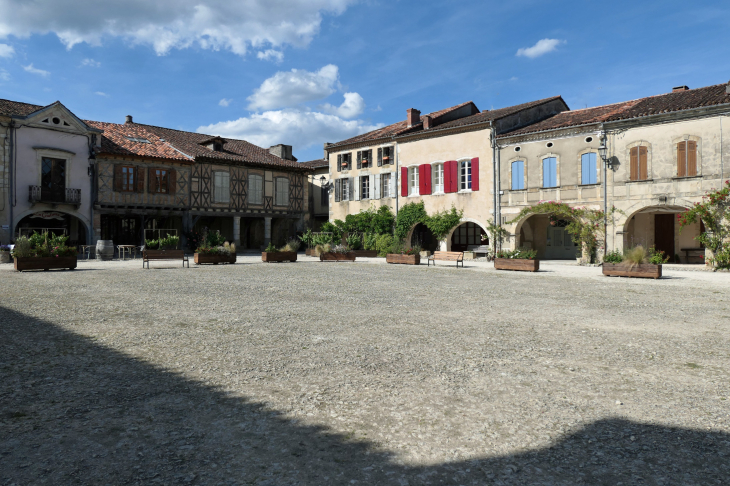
(83, 220)
(463, 220)
(654, 225)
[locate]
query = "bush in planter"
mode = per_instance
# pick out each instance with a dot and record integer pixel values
(370, 241)
(291, 246)
(354, 242)
(340, 249)
(308, 238)
(518, 254)
(325, 248)
(271, 248)
(383, 244)
(614, 256)
(42, 245)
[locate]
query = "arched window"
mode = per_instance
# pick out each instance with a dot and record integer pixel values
(438, 178)
(255, 189)
(518, 175)
(464, 175)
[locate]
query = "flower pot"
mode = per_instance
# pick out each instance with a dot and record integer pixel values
(517, 264)
(45, 263)
(403, 259)
(641, 270)
(311, 252)
(5, 257)
(214, 258)
(337, 257)
(278, 256)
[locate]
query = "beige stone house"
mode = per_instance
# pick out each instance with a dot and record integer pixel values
(318, 191)
(443, 158)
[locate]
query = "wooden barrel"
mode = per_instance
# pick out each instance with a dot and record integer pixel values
(105, 249)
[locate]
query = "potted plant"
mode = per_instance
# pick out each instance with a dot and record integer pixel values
(521, 260)
(212, 248)
(287, 253)
(399, 254)
(355, 245)
(43, 251)
(336, 253)
(635, 262)
(5, 254)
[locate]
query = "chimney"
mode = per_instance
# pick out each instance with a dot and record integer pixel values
(282, 151)
(413, 116)
(679, 88)
(128, 120)
(427, 122)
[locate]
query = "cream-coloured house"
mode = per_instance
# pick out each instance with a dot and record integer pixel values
(443, 159)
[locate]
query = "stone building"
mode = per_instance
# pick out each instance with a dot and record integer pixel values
(318, 192)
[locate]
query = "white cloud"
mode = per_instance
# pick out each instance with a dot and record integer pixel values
(172, 24)
(300, 129)
(290, 88)
(270, 54)
(90, 63)
(6, 50)
(225, 102)
(4, 75)
(101, 93)
(543, 46)
(350, 108)
(29, 68)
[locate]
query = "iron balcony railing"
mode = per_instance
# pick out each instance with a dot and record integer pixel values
(37, 194)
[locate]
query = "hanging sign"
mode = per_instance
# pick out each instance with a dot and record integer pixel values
(49, 215)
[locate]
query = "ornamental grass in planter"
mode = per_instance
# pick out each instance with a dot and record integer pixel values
(287, 253)
(636, 262)
(337, 253)
(213, 248)
(43, 251)
(519, 260)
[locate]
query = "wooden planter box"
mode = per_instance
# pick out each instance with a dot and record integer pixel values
(278, 256)
(517, 264)
(365, 253)
(642, 270)
(311, 252)
(201, 258)
(403, 259)
(45, 263)
(337, 257)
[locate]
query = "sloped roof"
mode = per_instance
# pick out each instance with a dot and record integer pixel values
(652, 105)
(167, 143)
(16, 108)
(315, 164)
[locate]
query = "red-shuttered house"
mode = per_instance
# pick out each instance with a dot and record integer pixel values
(443, 158)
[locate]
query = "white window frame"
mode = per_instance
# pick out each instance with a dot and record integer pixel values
(413, 188)
(281, 191)
(221, 193)
(365, 187)
(465, 175)
(255, 190)
(437, 176)
(385, 182)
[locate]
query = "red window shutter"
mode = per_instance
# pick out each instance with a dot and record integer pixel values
(451, 176)
(139, 175)
(171, 181)
(475, 174)
(427, 179)
(404, 181)
(447, 176)
(118, 177)
(691, 158)
(422, 180)
(681, 160)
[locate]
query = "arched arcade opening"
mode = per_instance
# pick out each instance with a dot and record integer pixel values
(53, 222)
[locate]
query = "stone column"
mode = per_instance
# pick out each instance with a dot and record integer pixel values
(267, 231)
(237, 231)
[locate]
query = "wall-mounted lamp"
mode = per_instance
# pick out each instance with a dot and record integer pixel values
(603, 152)
(325, 185)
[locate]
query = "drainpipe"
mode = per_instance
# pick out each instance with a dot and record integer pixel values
(604, 139)
(11, 178)
(495, 184)
(398, 182)
(92, 195)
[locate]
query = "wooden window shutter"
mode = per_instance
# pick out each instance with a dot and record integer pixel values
(475, 174)
(351, 189)
(691, 158)
(171, 181)
(681, 159)
(152, 186)
(447, 176)
(359, 160)
(370, 158)
(404, 181)
(118, 177)
(643, 173)
(422, 189)
(339, 162)
(139, 174)
(451, 176)
(337, 190)
(380, 157)
(634, 164)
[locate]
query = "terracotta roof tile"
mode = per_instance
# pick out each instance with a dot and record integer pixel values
(16, 108)
(315, 164)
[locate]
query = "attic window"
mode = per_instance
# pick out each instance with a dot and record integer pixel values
(217, 147)
(549, 145)
(589, 139)
(517, 149)
(56, 120)
(140, 140)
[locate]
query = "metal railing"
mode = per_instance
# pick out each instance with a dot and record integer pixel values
(36, 194)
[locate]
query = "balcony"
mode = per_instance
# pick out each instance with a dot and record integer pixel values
(37, 194)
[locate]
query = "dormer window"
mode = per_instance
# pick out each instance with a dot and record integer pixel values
(215, 144)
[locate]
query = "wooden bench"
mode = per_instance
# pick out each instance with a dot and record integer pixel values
(701, 256)
(447, 256)
(150, 255)
(479, 249)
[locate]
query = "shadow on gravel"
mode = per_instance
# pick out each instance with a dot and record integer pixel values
(75, 412)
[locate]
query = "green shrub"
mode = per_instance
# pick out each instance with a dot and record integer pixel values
(656, 257)
(22, 248)
(369, 241)
(271, 248)
(614, 256)
(354, 242)
(334, 229)
(408, 216)
(518, 254)
(308, 238)
(383, 244)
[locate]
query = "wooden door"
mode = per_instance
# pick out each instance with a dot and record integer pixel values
(664, 234)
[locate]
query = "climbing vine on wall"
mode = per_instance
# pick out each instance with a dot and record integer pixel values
(408, 216)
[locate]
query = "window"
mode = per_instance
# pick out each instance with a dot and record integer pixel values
(281, 192)
(687, 158)
(342, 189)
(128, 179)
(255, 189)
(518, 175)
(438, 178)
(385, 183)
(638, 163)
(344, 161)
(221, 187)
(465, 175)
(550, 172)
(364, 159)
(588, 169)
(365, 187)
(413, 181)
(162, 182)
(386, 156)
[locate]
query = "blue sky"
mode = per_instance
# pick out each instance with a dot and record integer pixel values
(304, 73)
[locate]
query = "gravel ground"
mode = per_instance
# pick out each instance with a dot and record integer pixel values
(362, 373)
